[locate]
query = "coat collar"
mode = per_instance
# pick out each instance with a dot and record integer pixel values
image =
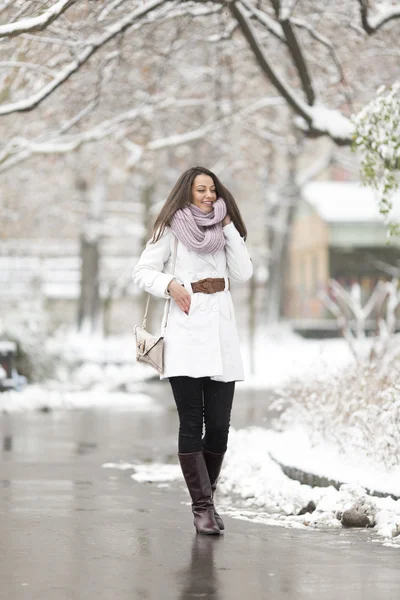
(209, 258)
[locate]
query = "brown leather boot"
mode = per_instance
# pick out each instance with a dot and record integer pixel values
(214, 464)
(198, 482)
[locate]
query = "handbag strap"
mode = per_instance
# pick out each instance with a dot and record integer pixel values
(169, 299)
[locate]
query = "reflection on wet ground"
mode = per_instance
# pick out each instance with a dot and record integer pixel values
(72, 530)
(200, 578)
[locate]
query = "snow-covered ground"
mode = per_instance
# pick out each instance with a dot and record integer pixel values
(253, 486)
(281, 355)
(97, 371)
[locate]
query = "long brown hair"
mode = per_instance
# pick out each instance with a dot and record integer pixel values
(181, 196)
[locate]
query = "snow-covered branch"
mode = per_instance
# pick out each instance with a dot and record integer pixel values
(20, 64)
(249, 33)
(82, 57)
(276, 29)
(225, 35)
(265, 20)
(351, 315)
(20, 149)
(316, 120)
(385, 267)
(47, 39)
(36, 23)
(199, 133)
(371, 24)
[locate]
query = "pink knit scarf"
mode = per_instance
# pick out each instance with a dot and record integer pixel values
(200, 231)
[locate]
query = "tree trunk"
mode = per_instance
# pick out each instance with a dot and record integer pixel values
(252, 312)
(89, 310)
(89, 306)
(147, 194)
(279, 236)
(278, 266)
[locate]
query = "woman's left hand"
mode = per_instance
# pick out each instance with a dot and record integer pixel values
(226, 221)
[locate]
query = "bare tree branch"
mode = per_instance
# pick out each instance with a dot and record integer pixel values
(295, 51)
(325, 42)
(316, 168)
(391, 270)
(36, 23)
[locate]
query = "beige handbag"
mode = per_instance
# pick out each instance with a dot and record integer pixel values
(150, 348)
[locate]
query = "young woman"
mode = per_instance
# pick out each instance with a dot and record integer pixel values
(201, 345)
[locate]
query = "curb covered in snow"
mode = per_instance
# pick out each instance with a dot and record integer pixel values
(307, 478)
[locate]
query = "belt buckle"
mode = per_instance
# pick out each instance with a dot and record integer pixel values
(207, 285)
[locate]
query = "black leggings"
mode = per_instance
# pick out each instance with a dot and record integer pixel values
(201, 400)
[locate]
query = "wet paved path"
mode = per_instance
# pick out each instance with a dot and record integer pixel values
(72, 530)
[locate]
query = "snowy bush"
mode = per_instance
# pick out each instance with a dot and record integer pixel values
(377, 137)
(359, 410)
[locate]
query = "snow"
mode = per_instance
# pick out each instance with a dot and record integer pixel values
(6, 346)
(96, 371)
(332, 121)
(345, 202)
(251, 473)
(88, 372)
(384, 12)
(35, 23)
(294, 448)
(281, 355)
(253, 486)
(156, 472)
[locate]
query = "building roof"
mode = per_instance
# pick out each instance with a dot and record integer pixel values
(345, 202)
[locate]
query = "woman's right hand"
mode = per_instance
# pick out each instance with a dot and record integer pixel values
(180, 295)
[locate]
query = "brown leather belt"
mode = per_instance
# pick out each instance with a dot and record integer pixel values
(209, 285)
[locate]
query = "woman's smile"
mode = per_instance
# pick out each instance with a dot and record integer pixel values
(204, 192)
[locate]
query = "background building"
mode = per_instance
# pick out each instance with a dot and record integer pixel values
(337, 233)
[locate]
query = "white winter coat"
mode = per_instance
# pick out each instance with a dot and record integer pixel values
(205, 342)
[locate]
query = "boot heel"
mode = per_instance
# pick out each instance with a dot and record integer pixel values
(214, 463)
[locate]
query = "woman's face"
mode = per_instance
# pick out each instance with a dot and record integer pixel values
(203, 192)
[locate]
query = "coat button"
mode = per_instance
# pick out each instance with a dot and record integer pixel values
(199, 275)
(202, 307)
(149, 282)
(214, 273)
(215, 308)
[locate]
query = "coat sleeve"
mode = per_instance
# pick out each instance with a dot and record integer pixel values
(240, 266)
(148, 273)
